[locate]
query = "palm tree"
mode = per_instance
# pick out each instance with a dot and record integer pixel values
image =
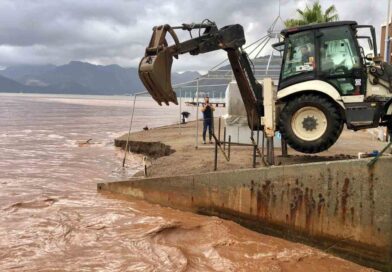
(313, 14)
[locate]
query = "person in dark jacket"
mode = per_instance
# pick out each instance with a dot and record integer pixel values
(305, 54)
(208, 119)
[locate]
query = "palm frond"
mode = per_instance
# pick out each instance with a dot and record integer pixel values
(313, 14)
(301, 12)
(294, 22)
(330, 9)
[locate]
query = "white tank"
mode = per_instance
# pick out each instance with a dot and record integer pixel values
(235, 118)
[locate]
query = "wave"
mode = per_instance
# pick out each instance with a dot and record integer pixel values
(34, 204)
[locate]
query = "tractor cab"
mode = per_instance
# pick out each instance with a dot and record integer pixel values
(326, 81)
(329, 52)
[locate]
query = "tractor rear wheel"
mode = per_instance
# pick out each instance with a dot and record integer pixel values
(310, 123)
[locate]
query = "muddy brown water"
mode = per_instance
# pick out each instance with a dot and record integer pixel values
(53, 219)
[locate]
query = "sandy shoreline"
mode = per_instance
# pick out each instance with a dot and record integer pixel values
(179, 155)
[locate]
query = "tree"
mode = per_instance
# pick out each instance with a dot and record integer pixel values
(313, 14)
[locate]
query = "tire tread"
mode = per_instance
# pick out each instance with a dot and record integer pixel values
(334, 127)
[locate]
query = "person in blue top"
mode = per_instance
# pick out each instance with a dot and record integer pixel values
(208, 119)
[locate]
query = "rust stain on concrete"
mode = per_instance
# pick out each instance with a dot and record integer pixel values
(331, 210)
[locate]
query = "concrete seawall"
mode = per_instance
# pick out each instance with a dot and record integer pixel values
(342, 207)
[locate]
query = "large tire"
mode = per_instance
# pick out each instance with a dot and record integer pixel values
(310, 123)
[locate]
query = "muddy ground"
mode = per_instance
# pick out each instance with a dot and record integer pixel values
(171, 150)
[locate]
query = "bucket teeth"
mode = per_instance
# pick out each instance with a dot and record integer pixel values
(155, 73)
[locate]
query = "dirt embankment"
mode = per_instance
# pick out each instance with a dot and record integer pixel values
(151, 149)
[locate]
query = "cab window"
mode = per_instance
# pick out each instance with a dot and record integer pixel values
(338, 52)
(338, 57)
(299, 56)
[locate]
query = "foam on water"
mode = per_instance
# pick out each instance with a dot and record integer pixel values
(55, 136)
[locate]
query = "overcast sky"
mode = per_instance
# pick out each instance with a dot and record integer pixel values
(116, 31)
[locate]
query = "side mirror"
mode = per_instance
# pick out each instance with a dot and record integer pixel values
(370, 44)
(279, 46)
(369, 57)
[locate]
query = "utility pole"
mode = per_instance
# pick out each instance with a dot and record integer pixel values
(387, 35)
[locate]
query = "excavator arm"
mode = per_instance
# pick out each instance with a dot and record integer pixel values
(155, 66)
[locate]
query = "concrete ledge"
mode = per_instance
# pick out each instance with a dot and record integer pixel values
(342, 207)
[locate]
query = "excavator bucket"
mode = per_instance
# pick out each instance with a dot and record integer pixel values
(155, 67)
(155, 73)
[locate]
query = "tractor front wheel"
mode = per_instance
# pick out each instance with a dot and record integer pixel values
(310, 123)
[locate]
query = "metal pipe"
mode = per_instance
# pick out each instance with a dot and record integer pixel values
(284, 147)
(254, 156)
(220, 146)
(262, 149)
(130, 125)
(253, 142)
(268, 64)
(229, 147)
(387, 36)
(216, 156)
(252, 128)
(179, 124)
(219, 128)
(224, 138)
(379, 154)
(238, 144)
(270, 150)
(212, 85)
(197, 114)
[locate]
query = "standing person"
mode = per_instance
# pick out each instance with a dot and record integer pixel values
(208, 119)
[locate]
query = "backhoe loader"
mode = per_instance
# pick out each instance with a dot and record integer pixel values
(326, 80)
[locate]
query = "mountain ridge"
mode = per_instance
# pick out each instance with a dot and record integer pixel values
(77, 77)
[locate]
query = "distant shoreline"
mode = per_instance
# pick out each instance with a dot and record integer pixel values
(57, 95)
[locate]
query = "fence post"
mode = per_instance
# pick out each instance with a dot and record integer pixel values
(284, 147)
(179, 124)
(216, 156)
(224, 138)
(254, 156)
(197, 114)
(228, 155)
(219, 129)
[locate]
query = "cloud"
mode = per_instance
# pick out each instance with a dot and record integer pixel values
(108, 31)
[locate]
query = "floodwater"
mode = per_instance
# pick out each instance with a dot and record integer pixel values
(53, 151)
